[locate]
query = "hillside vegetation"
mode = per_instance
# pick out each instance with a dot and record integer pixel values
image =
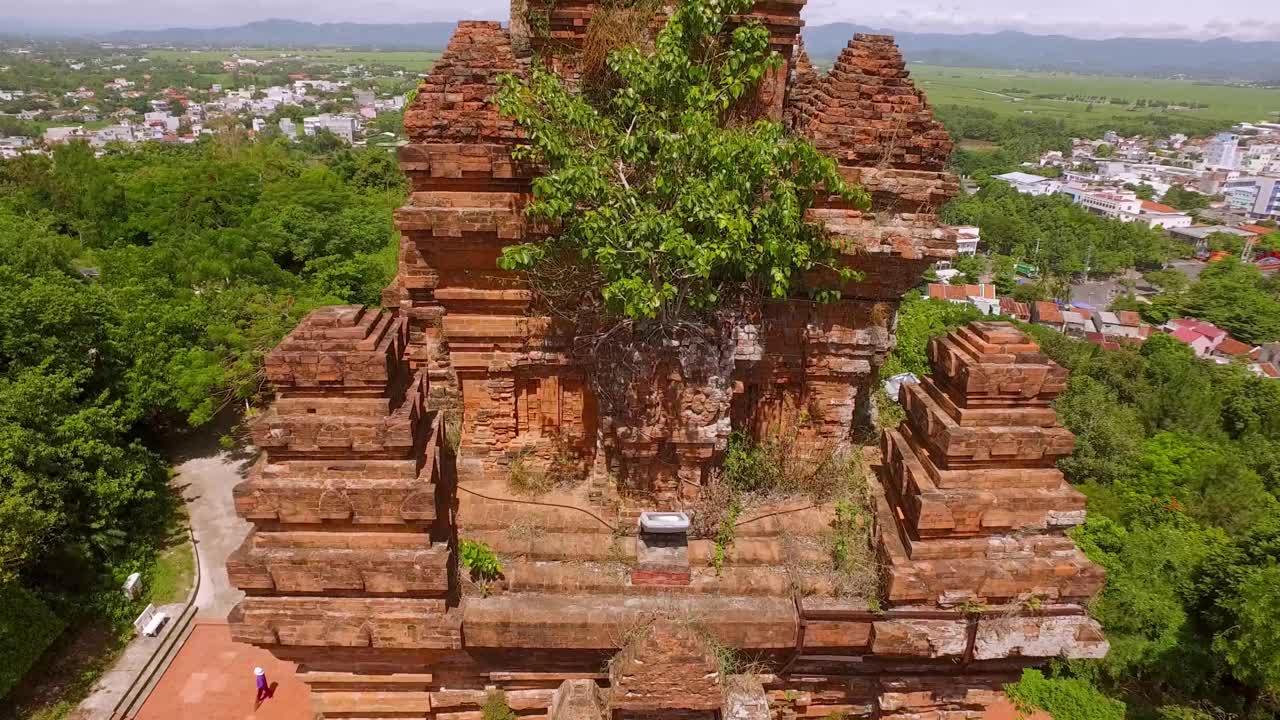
(140, 293)
(1180, 459)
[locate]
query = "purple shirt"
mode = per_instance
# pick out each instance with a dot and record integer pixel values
(262, 681)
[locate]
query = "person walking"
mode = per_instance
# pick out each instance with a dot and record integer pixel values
(264, 691)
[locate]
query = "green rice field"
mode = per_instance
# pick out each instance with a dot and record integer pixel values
(1014, 92)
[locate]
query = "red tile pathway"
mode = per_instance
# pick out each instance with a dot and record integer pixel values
(212, 679)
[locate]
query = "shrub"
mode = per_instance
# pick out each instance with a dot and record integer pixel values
(1063, 698)
(496, 707)
(27, 628)
(480, 559)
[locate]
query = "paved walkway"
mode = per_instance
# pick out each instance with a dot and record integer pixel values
(204, 474)
(206, 481)
(212, 679)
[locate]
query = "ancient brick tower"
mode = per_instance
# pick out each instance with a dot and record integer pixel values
(362, 496)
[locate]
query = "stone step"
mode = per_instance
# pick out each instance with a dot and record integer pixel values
(528, 543)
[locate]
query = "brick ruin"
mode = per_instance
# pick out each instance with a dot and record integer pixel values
(364, 489)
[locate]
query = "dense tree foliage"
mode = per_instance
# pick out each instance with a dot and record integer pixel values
(1229, 293)
(1054, 234)
(140, 291)
(1180, 459)
(667, 209)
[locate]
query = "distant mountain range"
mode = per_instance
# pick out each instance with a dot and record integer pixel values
(1218, 59)
(292, 33)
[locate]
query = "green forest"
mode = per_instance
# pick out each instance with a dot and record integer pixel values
(1055, 234)
(140, 291)
(1180, 460)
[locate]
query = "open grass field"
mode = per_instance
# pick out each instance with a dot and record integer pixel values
(990, 88)
(409, 60)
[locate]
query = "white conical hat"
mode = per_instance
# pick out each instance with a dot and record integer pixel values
(258, 671)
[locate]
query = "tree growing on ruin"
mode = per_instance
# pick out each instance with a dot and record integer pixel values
(665, 205)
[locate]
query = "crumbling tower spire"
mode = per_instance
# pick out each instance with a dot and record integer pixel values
(979, 511)
(351, 545)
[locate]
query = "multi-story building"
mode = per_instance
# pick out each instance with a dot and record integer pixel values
(1256, 195)
(967, 237)
(340, 125)
(1107, 202)
(1223, 152)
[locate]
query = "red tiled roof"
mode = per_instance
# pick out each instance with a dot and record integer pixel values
(1186, 335)
(1129, 318)
(1047, 312)
(1259, 229)
(1209, 330)
(1233, 347)
(1269, 369)
(1155, 207)
(1013, 308)
(961, 292)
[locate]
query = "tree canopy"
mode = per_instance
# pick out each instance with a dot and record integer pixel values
(664, 205)
(1051, 232)
(142, 289)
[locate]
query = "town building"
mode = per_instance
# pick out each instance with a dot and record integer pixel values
(1256, 195)
(55, 135)
(1029, 184)
(1223, 152)
(340, 125)
(1076, 322)
(1047, 314)
(1162, 216)
(1198, 235)
(1123, 323)
(1232, 349)
(982, 297)
(1013, 309)
(967, 238)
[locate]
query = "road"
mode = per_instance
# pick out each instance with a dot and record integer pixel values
(1101, 293)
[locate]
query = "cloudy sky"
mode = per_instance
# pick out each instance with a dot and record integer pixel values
(1241, 19)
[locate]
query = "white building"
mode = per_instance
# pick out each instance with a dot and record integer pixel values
(114, 133)
(11, 147)
(1257, 195)
(967, 238)
(1162, 216)
(162, 120)
(56, 135)
(1109, 203)
(1223, 152)
(289, 129)
(1029, 184)
(340, 125)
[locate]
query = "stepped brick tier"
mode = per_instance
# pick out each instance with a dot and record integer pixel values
(359, 503)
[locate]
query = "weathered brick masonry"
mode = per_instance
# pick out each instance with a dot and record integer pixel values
(358, 502)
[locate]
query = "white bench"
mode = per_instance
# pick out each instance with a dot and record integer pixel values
(150, 621)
